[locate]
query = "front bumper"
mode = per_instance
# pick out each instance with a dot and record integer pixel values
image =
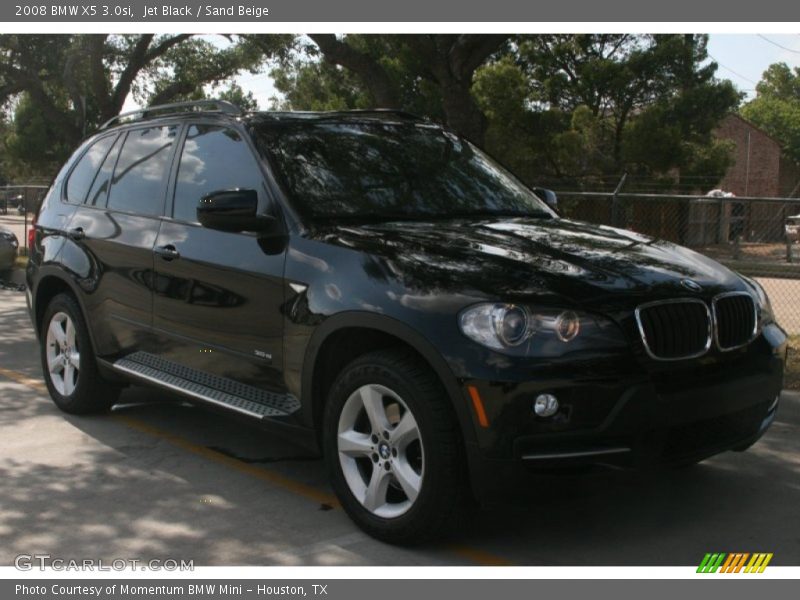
(629, 418)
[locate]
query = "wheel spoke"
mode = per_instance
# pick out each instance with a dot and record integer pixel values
(54, 362)
(407, 478)
(57, 332)
(70, 333)
(69, 379)
(352, 443)
(405, 432)
(376, 490)
(74, 359)
(376, 412)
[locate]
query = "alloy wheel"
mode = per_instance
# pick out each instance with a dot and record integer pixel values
(63, 356)
(380, 451)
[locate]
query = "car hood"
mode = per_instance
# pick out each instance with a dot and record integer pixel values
(514, 258)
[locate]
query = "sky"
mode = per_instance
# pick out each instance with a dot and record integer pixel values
(742, 58)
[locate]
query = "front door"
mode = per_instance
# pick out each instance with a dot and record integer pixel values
(218, 295)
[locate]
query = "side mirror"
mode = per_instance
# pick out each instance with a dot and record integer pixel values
(233, 211)
(548, 197)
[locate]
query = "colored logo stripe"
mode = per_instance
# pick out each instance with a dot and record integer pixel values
(734, 562)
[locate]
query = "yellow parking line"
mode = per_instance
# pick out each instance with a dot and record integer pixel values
(480, 557)
(472, 554)
(273, 477)
(37, 385)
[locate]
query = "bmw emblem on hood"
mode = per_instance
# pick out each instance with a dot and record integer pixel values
(692, 286)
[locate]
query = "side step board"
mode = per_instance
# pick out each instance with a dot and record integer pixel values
(239, 397)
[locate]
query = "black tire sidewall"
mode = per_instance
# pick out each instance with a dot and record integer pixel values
(438, 470)
(91, 393)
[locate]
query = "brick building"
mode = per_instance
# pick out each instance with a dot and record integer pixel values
(760, 170)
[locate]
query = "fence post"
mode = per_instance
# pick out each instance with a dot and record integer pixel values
(789, 250)
(616, 213)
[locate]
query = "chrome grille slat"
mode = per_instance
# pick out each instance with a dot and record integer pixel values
(735, 320)
(684, 328)
(676, 329)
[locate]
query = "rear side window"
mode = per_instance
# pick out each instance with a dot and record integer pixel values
(139, 177)
(214, 158)
(81, 177)
(99, 190)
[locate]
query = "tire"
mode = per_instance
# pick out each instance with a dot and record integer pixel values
(422, 489)
(68, 361)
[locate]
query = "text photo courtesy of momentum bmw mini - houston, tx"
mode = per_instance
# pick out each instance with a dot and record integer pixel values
(445, 298)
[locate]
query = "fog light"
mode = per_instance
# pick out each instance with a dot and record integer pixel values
(545, 405)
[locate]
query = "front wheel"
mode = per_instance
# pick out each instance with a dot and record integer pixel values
(70, 369)
(393, 448)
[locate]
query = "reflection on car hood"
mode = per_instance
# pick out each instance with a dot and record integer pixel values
(513, 257)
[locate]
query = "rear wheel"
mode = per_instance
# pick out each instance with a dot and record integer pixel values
(393, 449)
(68, 362)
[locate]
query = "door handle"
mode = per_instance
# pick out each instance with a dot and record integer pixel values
(168, 252)
(77, 233)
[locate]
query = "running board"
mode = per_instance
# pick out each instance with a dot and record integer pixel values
(221, 391)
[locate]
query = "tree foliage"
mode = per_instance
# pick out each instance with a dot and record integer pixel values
(558, 109)
(67, 85)
(776, 108)
(561, 108)
(429, 74)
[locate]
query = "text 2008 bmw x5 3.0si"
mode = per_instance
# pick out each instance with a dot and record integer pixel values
(380, 290)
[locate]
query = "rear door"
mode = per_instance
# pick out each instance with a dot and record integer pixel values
(115, 228)
(218, 295)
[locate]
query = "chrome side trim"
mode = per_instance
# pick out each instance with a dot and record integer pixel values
(716, 323)
(576, 454)
(709, 336)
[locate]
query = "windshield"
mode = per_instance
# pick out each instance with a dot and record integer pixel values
(389, 170)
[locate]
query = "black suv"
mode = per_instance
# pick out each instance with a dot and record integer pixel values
(379, 289)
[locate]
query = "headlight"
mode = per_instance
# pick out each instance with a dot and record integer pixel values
(520, 330)
(497, 326)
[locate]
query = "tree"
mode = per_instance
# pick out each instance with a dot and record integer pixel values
(397, 71)
(33, 144)
(776, 108)
(76, 82)
(651, 100)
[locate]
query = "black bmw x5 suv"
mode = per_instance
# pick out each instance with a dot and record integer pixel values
(380, 290)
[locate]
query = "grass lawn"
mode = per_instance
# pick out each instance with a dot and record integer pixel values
(793, 366)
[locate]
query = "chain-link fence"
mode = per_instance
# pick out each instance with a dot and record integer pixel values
(17, 205)
(756, 236)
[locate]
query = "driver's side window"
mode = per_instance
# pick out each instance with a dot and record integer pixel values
(213, 158)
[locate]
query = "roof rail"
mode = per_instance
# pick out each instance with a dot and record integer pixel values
(222, 106)
(386, 111)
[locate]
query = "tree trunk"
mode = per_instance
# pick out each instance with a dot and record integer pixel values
(463, 113)
(372, 74)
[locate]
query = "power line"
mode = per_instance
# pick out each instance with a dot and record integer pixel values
(781, 46)
(732, 71)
